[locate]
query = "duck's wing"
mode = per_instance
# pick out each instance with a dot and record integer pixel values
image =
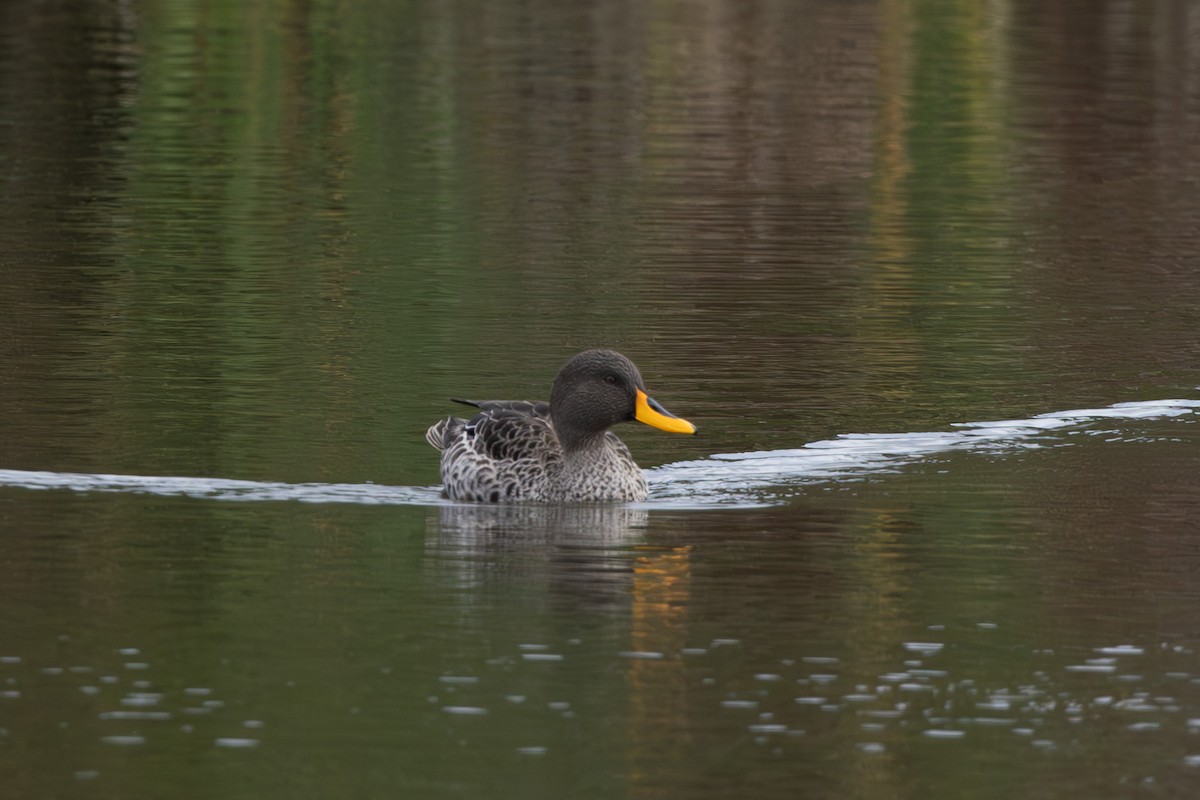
(511, 430)
(503, 430)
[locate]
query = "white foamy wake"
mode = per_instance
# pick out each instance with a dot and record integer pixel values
(739, 478)
(724, 479)
(225, 489)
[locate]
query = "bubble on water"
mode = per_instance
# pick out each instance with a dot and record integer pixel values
(859, 698)
(942, 733)
(916, 687)
(1121, 650)
(744, 704)
(466, 711)
(126, 741)
(138, 715)
(235, 742)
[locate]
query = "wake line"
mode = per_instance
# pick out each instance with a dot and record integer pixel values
(724, 479)
(224, 488)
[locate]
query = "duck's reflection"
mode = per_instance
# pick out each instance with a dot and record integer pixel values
(520, 527)
(580, 553)
(593, 575)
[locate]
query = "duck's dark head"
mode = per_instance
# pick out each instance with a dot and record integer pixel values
(599, 388)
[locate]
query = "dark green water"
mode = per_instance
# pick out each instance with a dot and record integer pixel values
(265, 242)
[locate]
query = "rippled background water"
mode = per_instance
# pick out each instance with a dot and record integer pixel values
(247, 251)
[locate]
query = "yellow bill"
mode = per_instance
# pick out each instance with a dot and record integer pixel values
(654, 415)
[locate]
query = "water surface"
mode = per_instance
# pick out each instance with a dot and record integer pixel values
(923, 274)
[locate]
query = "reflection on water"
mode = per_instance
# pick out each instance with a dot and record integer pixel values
(584, 555)
(249, 250)
(469, 527)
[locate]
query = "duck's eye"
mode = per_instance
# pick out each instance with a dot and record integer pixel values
(610, 379)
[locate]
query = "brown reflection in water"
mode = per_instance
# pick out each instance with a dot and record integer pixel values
(658, 695)
(67, 79)
(1106, 116)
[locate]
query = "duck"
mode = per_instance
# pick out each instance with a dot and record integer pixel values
(561, 451)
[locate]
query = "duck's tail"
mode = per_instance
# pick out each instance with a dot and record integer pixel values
(438, 431)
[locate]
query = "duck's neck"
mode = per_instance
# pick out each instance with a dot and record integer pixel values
(576, 442)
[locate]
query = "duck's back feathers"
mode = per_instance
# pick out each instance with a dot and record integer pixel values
(511, 430)
(507, 452)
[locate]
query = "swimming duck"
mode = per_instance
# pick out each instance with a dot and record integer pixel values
(558, 452)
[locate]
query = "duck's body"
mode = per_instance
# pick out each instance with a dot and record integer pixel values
(509, 453)
(556, 452)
